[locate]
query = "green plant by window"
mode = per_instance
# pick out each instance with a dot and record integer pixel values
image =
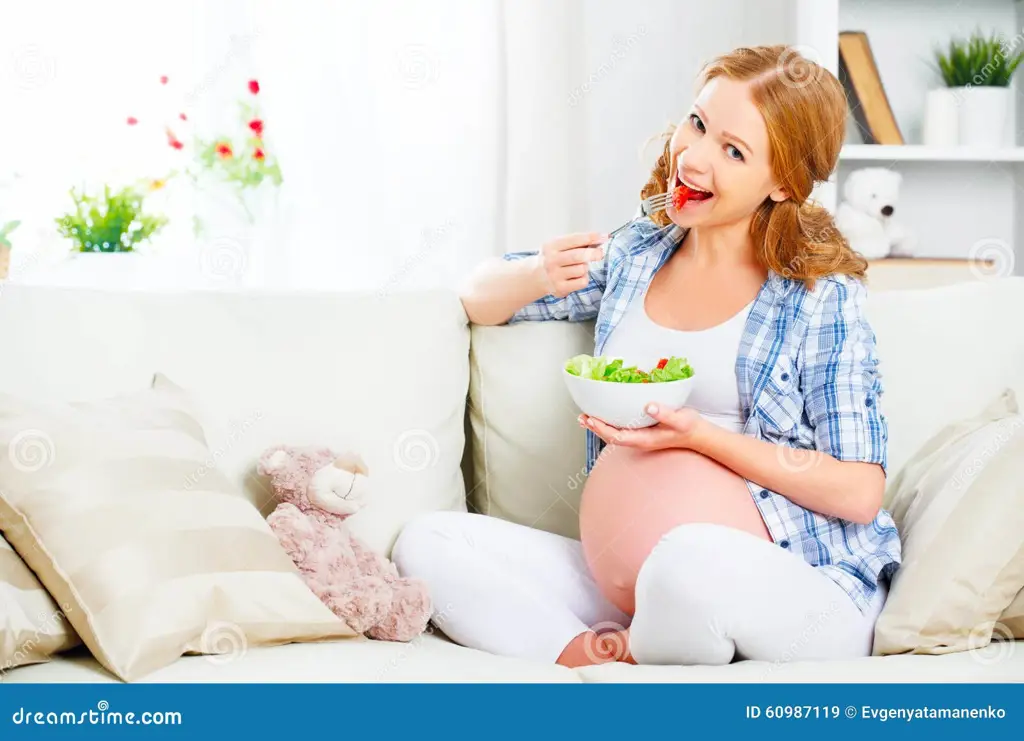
(113, 222)
(5, 229)
(978, 61)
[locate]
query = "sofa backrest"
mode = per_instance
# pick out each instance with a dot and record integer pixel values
(944, 354)
(383, 375)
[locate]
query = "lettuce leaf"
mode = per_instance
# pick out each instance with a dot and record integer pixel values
(603, 368)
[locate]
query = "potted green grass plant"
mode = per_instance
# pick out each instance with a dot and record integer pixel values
(978, 72)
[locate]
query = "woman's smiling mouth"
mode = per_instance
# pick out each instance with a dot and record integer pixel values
(693, 193)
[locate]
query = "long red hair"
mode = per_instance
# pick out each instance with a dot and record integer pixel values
(804, 109)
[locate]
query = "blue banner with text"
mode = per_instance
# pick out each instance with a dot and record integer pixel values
(255, 711)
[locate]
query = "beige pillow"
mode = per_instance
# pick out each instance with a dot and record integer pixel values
(528, 451)
(1012, 618)
(32, 626)
(959, 506)
(115, 507)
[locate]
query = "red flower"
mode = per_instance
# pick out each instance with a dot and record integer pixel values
(224, 150)
(173, 141)
(258, 155)
(183, 117)
(163, 79)
(257, 126)
(254, 86)
(132, 120)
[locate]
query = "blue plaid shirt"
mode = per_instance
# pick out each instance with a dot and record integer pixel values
(808, 378)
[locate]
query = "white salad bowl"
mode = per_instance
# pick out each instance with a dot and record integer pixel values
(622, 404)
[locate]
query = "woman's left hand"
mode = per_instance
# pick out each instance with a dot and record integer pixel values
(675, 429)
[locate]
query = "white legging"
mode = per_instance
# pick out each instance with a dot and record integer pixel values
(707, 594)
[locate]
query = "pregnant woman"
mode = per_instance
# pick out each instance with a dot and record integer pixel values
(747, 525)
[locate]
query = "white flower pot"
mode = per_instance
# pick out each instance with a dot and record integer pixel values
(984, 116)
(118, 270)
(941, 118)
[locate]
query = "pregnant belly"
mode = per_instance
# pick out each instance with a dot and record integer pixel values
(634, 497)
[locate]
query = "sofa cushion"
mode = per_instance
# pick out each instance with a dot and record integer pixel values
(384, 375)
(959, 507)
(999, 662)
(944, 353)
(429, 658)
(32, 626)
(1012, 619)
(149, 554)
(529, 454)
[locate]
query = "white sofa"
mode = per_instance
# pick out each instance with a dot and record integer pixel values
(389, 375)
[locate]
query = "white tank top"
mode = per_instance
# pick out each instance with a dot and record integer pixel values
(712, 352)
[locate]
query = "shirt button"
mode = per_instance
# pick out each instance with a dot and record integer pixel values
(784, 376)
(784, 543)
(764, 493)
(868, 401)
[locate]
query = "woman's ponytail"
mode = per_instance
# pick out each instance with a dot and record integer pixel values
(802, 242)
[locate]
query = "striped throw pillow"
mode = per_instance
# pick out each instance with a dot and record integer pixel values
(115, 505)
(32, 626)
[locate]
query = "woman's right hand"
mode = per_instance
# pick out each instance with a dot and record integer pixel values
(563, 264)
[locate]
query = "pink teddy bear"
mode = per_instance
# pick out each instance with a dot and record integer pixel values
(318, 490)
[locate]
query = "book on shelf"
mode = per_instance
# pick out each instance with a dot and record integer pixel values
(865, 93)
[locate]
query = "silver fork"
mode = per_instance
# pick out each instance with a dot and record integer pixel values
(648, 207)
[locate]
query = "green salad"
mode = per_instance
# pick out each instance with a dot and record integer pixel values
(612, 369)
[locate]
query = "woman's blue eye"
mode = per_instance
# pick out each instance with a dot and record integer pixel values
(738, 156)
(696, 122)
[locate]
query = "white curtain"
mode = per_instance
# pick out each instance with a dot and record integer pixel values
(415, 138)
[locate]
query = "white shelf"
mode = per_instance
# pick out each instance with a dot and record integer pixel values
(921, 153)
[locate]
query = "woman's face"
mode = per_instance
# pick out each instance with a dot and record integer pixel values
(721, 147)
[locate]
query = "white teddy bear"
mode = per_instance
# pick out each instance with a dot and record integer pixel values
(865, 218)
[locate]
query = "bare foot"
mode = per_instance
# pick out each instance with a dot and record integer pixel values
(586, 649)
